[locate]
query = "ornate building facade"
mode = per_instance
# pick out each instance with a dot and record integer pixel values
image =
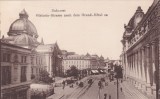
(22, 57)
(82, 62)
(141, 52)
(15, 72)
(53, 58)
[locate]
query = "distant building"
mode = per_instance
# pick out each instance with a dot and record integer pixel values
(106, 61)
(53, 58)
(141, 54)
(82, 61)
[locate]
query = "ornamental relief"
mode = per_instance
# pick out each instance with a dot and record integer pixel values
(147, 39)
(148, 25)
(155, 17)
(146, 29)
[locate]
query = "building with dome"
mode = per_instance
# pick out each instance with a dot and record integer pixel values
(22, 32)
(141, 50)
(23, 57)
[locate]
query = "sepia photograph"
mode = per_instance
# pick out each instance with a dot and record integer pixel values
(80, 49)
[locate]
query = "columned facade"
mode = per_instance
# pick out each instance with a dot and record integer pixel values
(141, 53)
(142, 66)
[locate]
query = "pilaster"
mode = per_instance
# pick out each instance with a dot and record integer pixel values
(153, 67)
(143, 69)
(148, 82)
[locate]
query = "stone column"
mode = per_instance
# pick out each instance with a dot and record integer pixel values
(132, 73)
(135, 69)
(148, 83)
(126, 65)
(139, 69)
(140, 64)
(136, 72)
(127, 69)
(132, 67)
(153, 67)
(129, 65)
(133, 62)
(137, 64)
(143, 69)
(158, 68)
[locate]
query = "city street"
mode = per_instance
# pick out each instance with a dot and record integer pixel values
(88, 49)
(93, 92)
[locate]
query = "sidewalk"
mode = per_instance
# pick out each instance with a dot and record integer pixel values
(128, 91)
(60, 92)
(111, 90)
(131, 92)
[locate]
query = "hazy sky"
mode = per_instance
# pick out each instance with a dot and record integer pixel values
(99, 35)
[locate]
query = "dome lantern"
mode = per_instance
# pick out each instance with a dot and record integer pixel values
(23, 14)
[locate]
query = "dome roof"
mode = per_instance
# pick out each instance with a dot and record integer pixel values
(23, 25)
(25, 39)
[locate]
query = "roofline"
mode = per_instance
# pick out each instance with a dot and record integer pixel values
(1, 42)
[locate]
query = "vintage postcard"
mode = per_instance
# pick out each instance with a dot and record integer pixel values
(80, 49)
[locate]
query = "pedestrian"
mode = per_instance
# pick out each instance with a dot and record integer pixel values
(106, 83)
(109, 96)
(53, 91)
(100, 84)
(105, 96)
(121, 81)
(63, 84)
(121, 89)
(44, 95)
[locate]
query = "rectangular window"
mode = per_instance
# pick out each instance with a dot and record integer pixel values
(36, 59)
(41, 60)
(23, 74)
(25, 59)
(32, 60)
(6, 57)
(22, 59)
(6, 75)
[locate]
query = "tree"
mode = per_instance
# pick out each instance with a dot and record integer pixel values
(68, 72)
(73, 71)
(44, 77)
(118, 70)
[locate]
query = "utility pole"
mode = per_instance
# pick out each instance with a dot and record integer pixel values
(117, 90)
(119, 74)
